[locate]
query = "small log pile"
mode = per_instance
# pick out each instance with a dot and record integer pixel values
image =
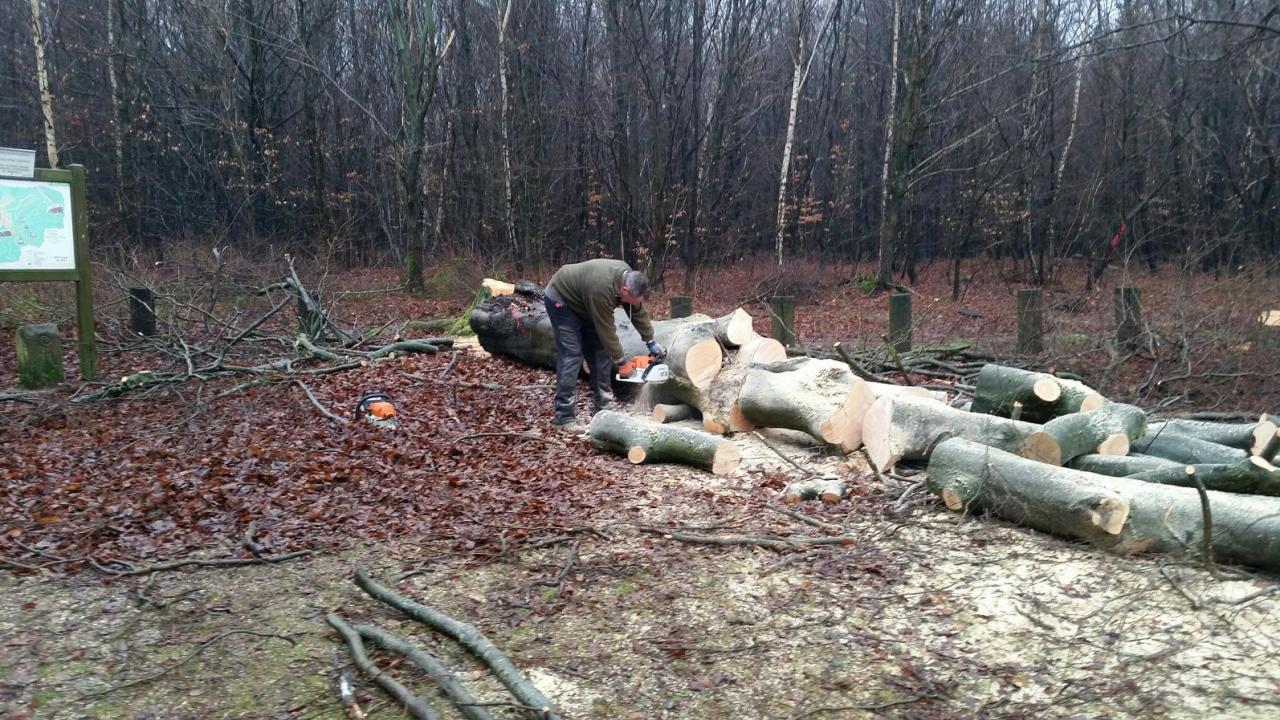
(1034, 448)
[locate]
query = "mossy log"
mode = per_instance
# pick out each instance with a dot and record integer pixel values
(818, 397)
(1122, 515)
(1121, 466)
(643, 441)
(1253, 476)
(908, 427)
(1187, 450)
(1109, 430)
(1041, 396)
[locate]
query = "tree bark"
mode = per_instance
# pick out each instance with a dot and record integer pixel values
(1105, 431)
(642, 441)
(1236, 435)
(721, 410)
(826, 489)
(818, 397)
(1043, 397)
(907, 428)
(1120, 465)
(42, 76)
(1186, 449)
(1122, 515)
(1253, 476)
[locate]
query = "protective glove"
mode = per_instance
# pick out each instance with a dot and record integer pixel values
(656, 350)
(626, 366)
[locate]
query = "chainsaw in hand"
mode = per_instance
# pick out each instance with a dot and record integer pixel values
(646, 369)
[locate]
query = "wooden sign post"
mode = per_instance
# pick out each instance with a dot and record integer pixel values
(44, 237)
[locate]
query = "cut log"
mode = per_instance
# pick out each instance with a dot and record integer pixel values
(1262, 433)
(907, 428)
(497, 288)
(1043, 397)
(1122, 515)
(879, 390)
(1236, 435)
(1105, 431)
(664, 413)
(642, 441)
(1253, 476)
(818, 397)
(694, 356)
(720, 410)
(1121, 466)
(826, 489)
(1187, 450)
(735, 329)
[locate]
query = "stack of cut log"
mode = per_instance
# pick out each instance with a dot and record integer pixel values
(1037, 449)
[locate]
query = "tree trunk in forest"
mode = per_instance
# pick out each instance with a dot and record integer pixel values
(509, 204)
(648, 442)
(42, 77)
(1122, 515)
(888, 233)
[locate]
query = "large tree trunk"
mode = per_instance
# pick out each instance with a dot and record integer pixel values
(642, 441)
(1040, 396)
(1236, 435)
(517, 326)
(1120, 514)
(1121, 465)
(907, 428)
(721, 411)
(818, 397)
(1106, 431)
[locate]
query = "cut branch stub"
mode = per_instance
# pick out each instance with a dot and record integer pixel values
(643, 441)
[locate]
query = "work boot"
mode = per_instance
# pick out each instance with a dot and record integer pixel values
(568, 427)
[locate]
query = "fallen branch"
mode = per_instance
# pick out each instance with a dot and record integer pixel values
(321, 408)
(175, 564)
(469, 638)
(416, 706)
(770, 541)
(438, 673)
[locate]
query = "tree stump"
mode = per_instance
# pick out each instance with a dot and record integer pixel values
(900, 321)
(783, 310)
(142, 314)
(1128, 302)
(1030, 321)
(39, 356)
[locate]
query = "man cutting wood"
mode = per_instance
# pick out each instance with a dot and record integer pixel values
(580, 301)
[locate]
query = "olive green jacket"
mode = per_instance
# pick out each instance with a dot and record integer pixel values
(590, 289)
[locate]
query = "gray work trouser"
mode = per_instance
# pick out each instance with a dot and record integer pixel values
(577, 339)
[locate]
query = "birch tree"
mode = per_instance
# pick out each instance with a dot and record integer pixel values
(42, 76)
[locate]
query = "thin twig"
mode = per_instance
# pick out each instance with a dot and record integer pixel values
(321, 408)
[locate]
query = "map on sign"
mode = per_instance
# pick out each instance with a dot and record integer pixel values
(35, 226)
